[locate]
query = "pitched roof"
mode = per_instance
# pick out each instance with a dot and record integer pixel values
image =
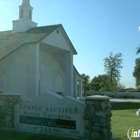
(76, 71)
(43, 29)
(9, 41)
(14, 41)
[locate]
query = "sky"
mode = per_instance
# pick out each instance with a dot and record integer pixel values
(95, 28)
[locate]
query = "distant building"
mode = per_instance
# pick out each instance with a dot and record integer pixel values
(34, 59)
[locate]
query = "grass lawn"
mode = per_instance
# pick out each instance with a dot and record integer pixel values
(124, 117)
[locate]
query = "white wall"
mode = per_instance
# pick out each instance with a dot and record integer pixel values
(75, 92)
(32, 71)
(115, 94)
(3, 79)
(57, 40)
(51, 74)
(19, 72)
(123, 94)
(13, 71)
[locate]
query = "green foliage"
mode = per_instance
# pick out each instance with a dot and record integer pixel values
(120, 86)
(112, 65)
(100, 83)
(136, 72)
(138, 88)
(60, 93)
(86, 81)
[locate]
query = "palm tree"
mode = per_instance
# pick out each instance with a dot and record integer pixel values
(86, 82)
(86, 78)
(138, 50)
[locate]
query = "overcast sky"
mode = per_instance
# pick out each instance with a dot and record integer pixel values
(95, 27)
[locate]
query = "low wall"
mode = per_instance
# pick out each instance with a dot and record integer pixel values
(123, 94)
(7, 103)
(115, 94)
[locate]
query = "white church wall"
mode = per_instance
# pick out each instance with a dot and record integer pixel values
(74, 85)
(69, 73)
(33, 71)
(51, 74)
(57, 39)
(20, 72)
(60, 58)
(13, 68)
(23, 25)
(3, 79)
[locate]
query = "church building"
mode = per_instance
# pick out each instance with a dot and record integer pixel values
(34, 60)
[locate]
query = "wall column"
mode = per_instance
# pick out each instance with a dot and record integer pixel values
(33, 71)
(37, 75)
(68, 74)
(80, 89)
(75, 86)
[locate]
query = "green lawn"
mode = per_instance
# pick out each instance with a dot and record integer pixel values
(124, 117)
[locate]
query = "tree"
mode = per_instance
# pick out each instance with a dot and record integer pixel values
(120, 86)
(112, 65)
(138, 50)
(136, 72)
(100, 83)
(86, 81)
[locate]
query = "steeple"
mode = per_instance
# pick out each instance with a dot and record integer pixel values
(26, 1)
(25, 10)
(25, 18)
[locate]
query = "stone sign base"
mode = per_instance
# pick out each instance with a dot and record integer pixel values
(7, 103)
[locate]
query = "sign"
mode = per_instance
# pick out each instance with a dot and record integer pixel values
(59, 123)
(51, 114)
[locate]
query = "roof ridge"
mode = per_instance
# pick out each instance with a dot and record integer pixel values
(43, 29)
(48, 25)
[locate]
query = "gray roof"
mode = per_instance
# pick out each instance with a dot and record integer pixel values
(43, 29)
(76, 71)
(9, 41)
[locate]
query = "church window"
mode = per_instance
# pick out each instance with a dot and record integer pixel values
(30, 14)
(21, 13)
